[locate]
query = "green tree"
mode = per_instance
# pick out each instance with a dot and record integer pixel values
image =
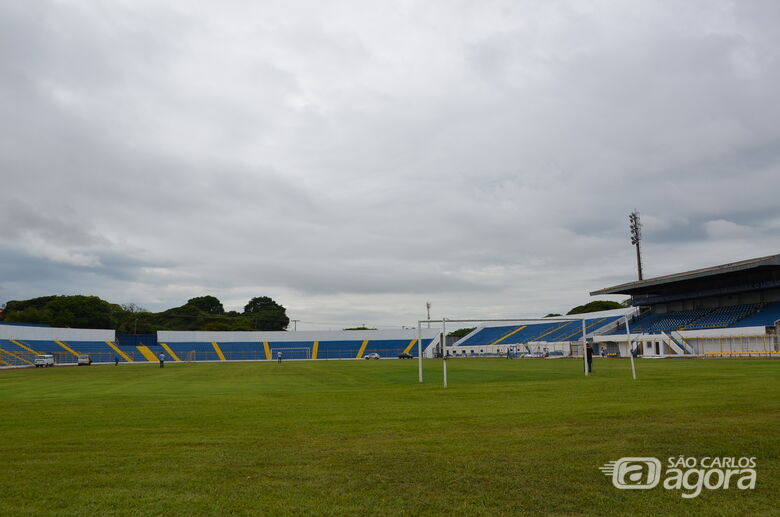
(461, 332)
(553, 314)
(208, 304)
(266, 314)
(64, 311)
(595, 306)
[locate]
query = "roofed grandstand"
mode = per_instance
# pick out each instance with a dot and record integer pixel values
(690, 313)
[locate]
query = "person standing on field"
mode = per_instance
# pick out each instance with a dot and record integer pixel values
(279, 356)
(162, 360)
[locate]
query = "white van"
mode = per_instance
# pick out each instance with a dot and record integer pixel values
(43, 361)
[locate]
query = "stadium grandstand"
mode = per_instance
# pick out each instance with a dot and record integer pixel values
(554, 337)
(727, 310)
(730, 309)
(19, 344)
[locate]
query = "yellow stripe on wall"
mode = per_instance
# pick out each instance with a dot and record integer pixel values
(566, 338)
(148, 354)
(267, 349)
(22, 345)
(170, 352)
(15, 356)
(497, 341)
(410, 346)
(66, 347)
(315, 349)
(556, 329)
(120, 352)
(218, 351)
(362, 349)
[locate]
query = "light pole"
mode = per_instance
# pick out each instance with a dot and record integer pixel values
(428, 307)
(636, 238)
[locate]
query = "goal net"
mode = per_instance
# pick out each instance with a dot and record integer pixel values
(291, 353)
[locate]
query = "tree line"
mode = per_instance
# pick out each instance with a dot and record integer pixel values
(92, 312)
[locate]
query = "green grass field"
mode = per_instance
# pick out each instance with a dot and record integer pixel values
(519, 437)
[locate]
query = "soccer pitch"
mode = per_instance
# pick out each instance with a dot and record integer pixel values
(508, 437)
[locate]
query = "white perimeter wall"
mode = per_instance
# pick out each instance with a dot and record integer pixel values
(168, 336)
(55, 334)
(701, 341)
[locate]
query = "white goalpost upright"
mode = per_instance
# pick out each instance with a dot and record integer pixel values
(443, 339)
(630, 348)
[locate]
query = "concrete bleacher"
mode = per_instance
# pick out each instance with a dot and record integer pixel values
(677, 320)
(744, 315)
(392, 347)
(724, 317)
(767, 316)
(67, 344)
(193, 351)
(551, 331)
(339, 349)
(236, 346)
(12, 354)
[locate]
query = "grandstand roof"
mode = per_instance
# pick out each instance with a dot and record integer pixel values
(771, 261)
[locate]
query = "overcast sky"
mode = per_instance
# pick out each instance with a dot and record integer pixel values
(355, 159)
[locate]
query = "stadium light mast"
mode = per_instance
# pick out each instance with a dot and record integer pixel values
(428, 306)
(636, 238)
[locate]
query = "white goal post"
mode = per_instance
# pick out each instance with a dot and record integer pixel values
(444, 322)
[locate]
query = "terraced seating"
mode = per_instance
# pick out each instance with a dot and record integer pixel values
(339, 349)
(744, 315)
(488, 335)
(391, 347)
(723, 317)
(198, 351)
(11, 354)
(677, 320)
(765, 317)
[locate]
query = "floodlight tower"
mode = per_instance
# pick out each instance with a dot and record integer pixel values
(636, 238)
(428, 306)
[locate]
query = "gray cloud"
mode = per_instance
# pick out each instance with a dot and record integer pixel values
(355, 161)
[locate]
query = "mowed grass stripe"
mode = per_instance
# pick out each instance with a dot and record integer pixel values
(522, 437)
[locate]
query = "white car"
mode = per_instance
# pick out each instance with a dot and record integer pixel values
(372, 355)
(84, 360)
(44, 361)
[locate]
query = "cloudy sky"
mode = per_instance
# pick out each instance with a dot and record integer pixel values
(355, 159)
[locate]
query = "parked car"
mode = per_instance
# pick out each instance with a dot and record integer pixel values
(44, 361)
(372, 355)
(404, 355)
(85, 360)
